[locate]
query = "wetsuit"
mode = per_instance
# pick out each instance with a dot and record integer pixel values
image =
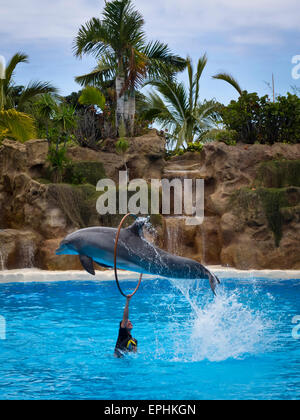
(125, 343)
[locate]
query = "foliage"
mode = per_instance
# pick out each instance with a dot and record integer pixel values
(272, 200)
(84, 172)
(16, 125)
(57, 156)
(90, 129)
(178, 109)
(194, 147)
(258, 120)
(228, 78)
(92, 96)
(119, 41)
(14, 100)
(122, 146)
(228, 137)
(20, 97)
(78, 203)
(124, 57)
(278, 174)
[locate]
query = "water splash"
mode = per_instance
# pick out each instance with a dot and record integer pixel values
(226, 329)
(223, 327)
(173, 236)
(27, 250)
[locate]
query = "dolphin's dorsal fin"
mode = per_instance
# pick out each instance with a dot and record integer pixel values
(87, 264)
(137, 227)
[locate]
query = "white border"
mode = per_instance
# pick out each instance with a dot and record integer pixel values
(43, 276)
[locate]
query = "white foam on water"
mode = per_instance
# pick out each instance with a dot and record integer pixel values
(224, 327)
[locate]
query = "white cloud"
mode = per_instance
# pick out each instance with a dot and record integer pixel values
(236, 20)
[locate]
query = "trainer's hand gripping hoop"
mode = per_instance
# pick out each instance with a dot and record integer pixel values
(115, 259)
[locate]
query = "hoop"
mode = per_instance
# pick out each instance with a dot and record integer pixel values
(115, 259)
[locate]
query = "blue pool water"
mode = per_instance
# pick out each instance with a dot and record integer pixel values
(60, 339)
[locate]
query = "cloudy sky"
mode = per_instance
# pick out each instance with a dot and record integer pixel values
(250, 39)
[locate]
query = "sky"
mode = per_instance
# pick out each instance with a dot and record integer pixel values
(251, 39)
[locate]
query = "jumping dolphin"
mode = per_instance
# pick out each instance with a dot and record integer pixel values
(135, 253)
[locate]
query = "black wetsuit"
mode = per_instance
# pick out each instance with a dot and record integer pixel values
(125, 342)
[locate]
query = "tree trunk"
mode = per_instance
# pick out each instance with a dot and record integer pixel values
(126, 112)
(131, 111)
(120, 110)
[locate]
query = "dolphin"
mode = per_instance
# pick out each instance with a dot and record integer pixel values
(134, 253)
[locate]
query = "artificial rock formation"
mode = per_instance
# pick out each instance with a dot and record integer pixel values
(252, 202)
(241, 231)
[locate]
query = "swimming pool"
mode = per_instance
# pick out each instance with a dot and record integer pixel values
(60, 338)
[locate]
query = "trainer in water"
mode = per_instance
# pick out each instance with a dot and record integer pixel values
(135, 253)
(125, 343)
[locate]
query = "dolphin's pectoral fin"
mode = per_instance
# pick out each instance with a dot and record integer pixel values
(87, 264)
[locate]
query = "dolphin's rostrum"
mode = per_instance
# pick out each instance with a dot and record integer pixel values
(135, 253)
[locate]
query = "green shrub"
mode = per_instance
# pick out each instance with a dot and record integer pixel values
(77, 203)
(194, 147)
(272, 200)
(258, 120)
(57, 157)
(84, 172)
(191, 147)
(228, 137)
(279, 174)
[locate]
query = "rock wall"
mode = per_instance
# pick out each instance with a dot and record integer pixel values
(35, 214)
(241, 228)
(235, 233)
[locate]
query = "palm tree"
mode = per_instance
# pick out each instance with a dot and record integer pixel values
(45, 108)
(178, 109)
(65, 118)
(229, 79)
(14, 100)
(19, 97)
(118, 41)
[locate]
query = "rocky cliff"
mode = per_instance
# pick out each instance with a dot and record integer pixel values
(252, 198)
(252, 201)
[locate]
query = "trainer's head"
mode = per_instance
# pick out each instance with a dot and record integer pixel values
(129, 325)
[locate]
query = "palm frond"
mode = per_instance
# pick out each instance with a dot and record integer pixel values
(161, 62)
(33, 90)
(46, 106)
(92, 38)
(16, 59)
(105, 70)
(229, 79)
(92, 96)
(200, 68)
(17, 125)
